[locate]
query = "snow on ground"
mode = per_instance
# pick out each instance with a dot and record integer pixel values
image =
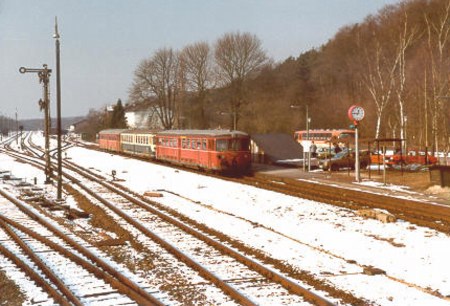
(309, 235)
(330, 242)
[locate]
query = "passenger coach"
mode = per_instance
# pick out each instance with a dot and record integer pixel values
(216, 150)
(138, 142)
(109, 140)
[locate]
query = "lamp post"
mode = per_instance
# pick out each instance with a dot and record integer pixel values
(44, 104)
(58, 108)
(308, 122)
(234, 117)
(308, 125)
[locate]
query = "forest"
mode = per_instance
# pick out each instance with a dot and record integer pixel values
(395, 64)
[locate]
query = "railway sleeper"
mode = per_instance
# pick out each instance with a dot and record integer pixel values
(377, 214)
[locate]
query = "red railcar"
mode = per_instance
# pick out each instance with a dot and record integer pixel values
(110, 139)
(215, 150)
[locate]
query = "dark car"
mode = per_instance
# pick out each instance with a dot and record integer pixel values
(346, 159)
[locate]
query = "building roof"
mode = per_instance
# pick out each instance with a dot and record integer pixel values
(278, 146)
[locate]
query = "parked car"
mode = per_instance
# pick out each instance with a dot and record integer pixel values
(323, 153)
(416, 157)
(346, 159)
(395, 158)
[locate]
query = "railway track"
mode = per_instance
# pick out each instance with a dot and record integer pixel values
(431, 215)
(242, 278)
(288, 187)
(51, 257)
(435, 216)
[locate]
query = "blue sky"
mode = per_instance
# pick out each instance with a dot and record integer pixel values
(102, 41)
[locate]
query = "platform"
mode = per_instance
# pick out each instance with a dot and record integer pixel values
(410, 185)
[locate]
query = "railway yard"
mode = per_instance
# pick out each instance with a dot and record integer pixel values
(151, 234)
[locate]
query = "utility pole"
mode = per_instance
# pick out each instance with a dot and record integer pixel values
(44, 104)
(308, 123)
(17, 129)
(58, 108)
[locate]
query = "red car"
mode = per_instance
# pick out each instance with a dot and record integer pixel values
(221, 151)
(414, 157)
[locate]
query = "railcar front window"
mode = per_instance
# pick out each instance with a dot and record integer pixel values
(235, 145)
(239, 144)
(245, 144)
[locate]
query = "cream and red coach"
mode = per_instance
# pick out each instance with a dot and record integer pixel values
(138, 142)
(216, 150)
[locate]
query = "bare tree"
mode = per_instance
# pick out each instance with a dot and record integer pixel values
(438, 30)
(238, 56)
(197, 63)
(379, 75)
(406, 37)
(157, 80)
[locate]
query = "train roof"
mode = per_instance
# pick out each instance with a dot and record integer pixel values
(140, 131)
(208, 133)
(325, 130)
(113, 131)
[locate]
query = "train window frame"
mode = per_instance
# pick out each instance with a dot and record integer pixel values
(222, 144)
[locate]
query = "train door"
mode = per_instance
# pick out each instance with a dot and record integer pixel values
(211, 152)
(203, 152)
(178, 148)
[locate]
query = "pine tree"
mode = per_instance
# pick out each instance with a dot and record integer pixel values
(118, 120)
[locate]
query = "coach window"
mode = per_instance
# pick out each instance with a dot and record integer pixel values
(204, 144)
(221, 145)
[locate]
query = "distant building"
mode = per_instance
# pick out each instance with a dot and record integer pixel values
(77, 126)
(142, 116)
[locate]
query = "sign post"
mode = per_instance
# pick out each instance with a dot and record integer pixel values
(356, 114)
